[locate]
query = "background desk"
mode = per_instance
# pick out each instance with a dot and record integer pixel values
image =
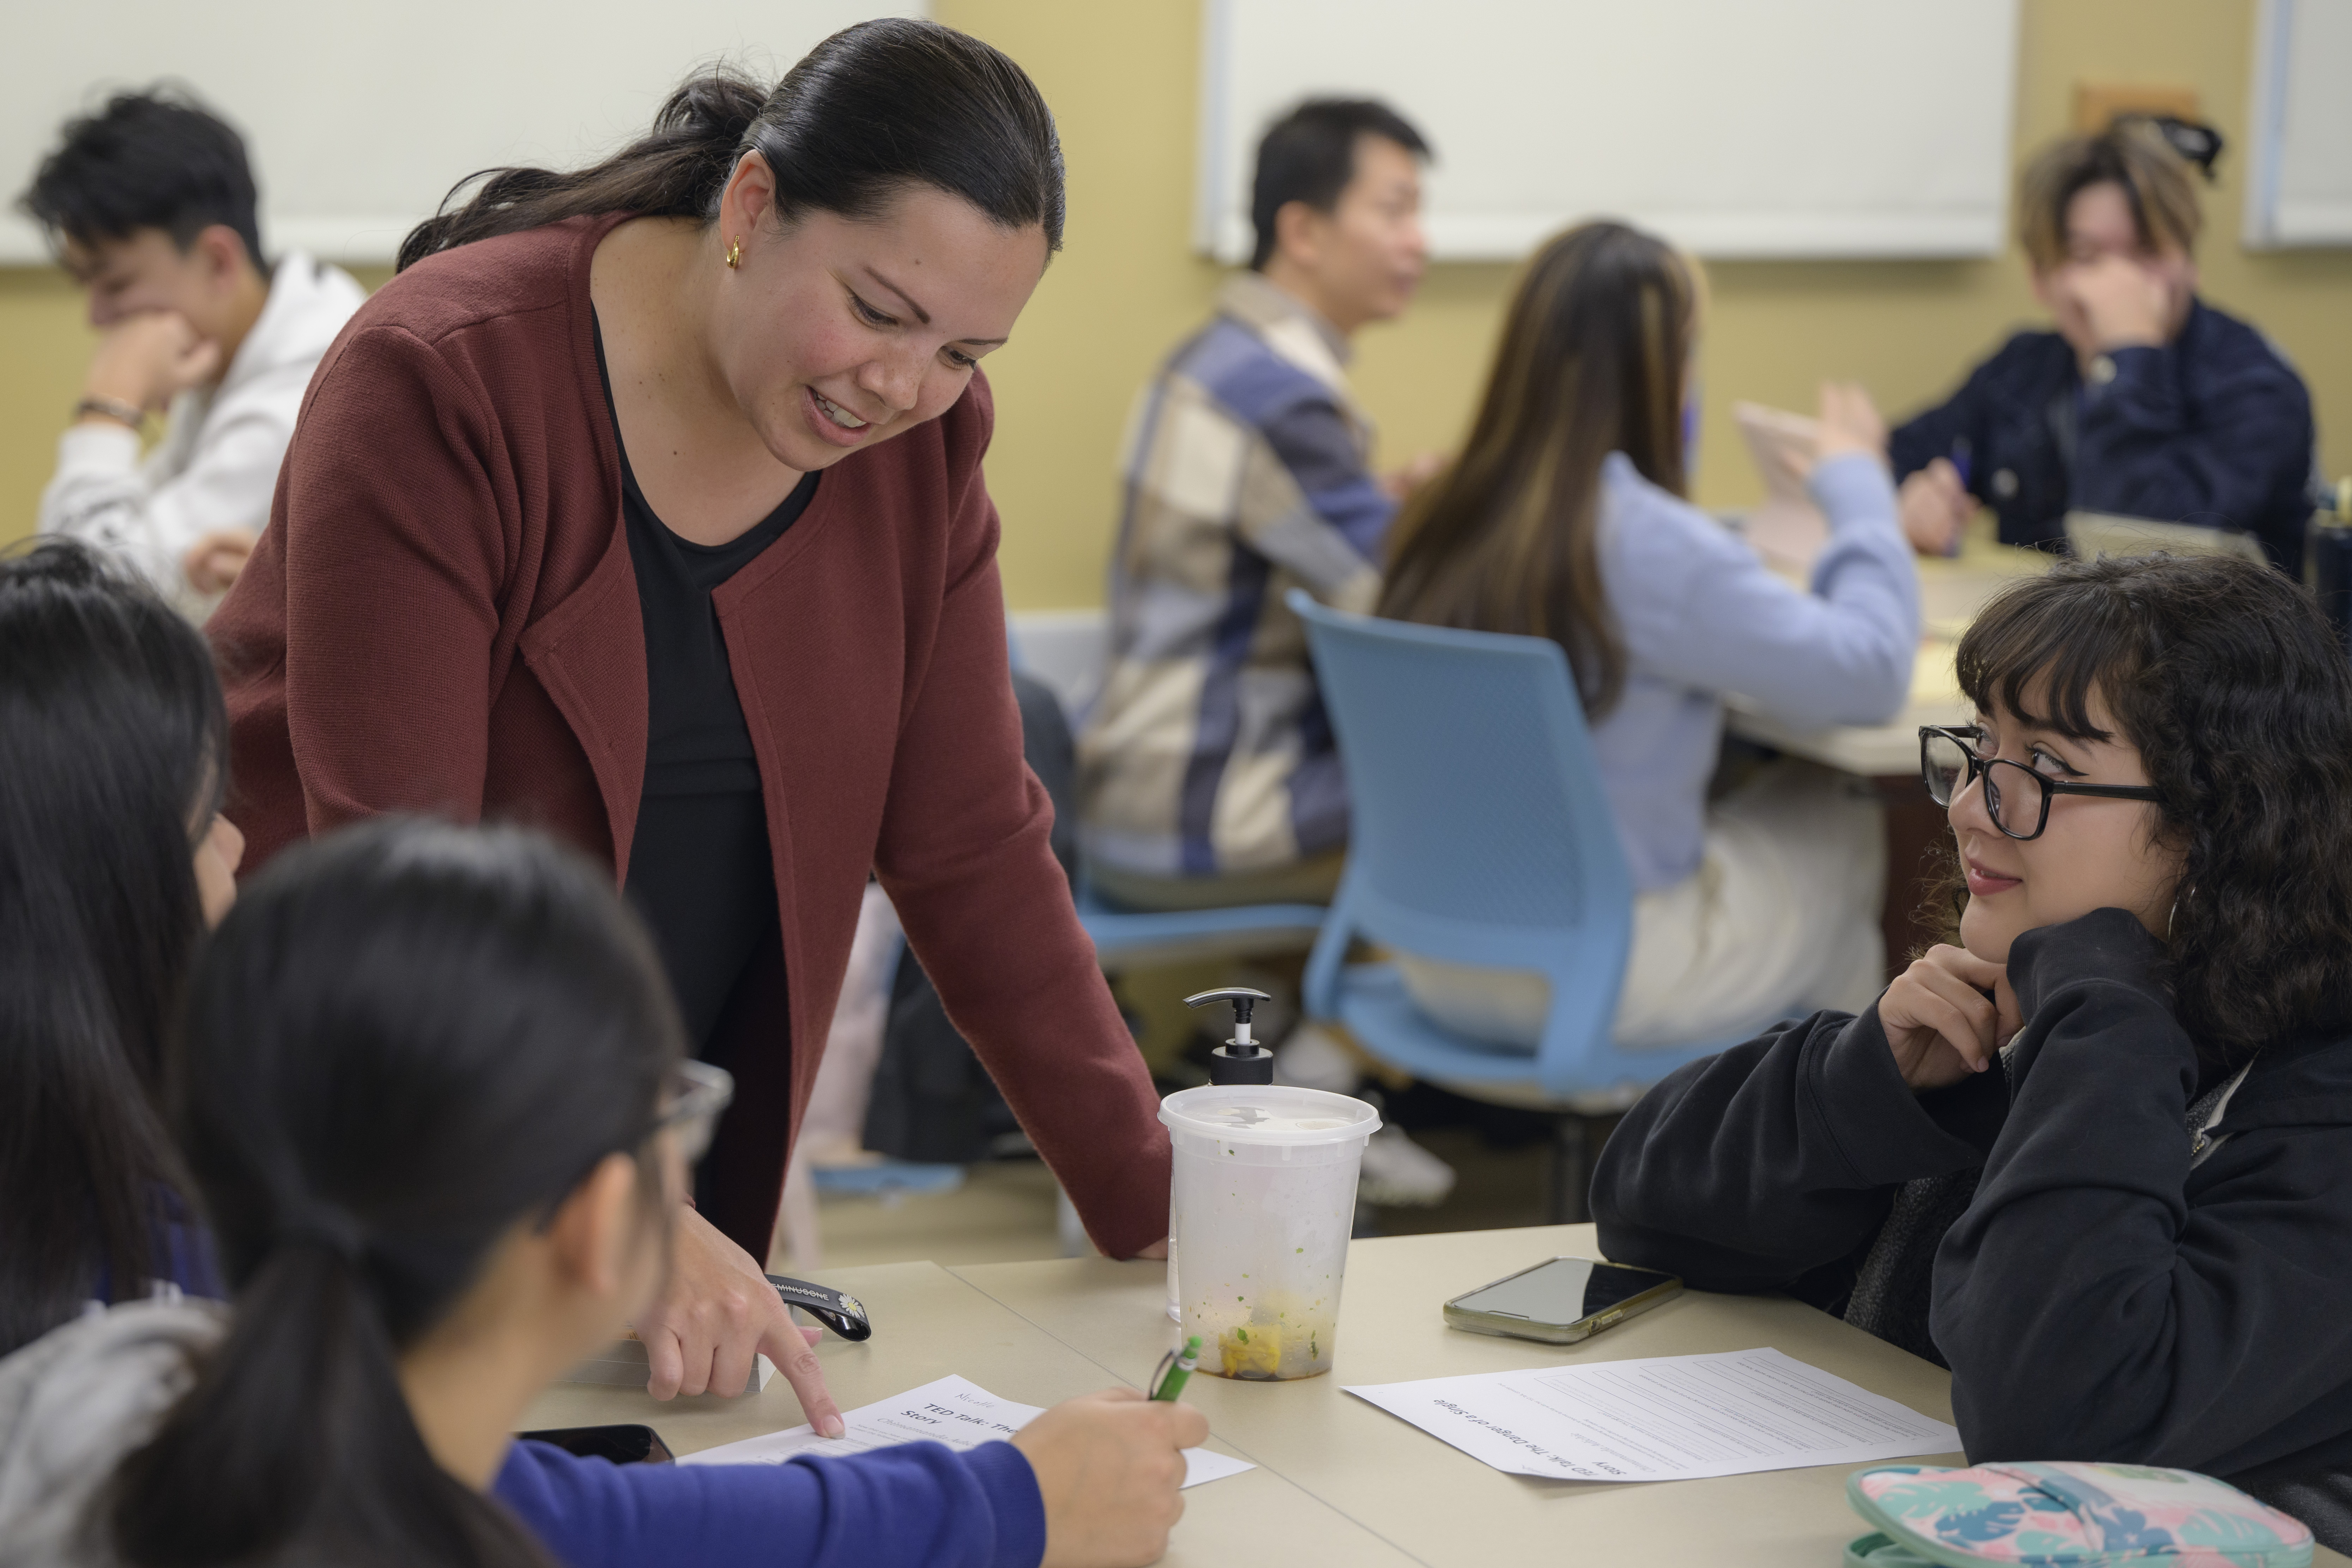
(1888, 755)
(1341, 1482)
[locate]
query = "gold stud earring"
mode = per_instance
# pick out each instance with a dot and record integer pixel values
(734, 253)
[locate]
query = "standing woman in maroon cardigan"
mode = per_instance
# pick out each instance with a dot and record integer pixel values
(645, 504)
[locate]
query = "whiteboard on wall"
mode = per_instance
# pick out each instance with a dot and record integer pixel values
(359, 118)
(1801, 128)
(2300, 188)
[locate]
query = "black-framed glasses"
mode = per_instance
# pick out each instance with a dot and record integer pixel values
(2016, 797)
(697, 1093)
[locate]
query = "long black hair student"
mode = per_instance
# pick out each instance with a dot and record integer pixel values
(431, 1085)
(116, 755)
(2095, 1155)
(363, 1144)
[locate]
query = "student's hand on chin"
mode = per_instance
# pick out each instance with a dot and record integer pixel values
(2125, 303)
(1946, 1016)
(150, 358)
(1109, 1469)
(716, 1313)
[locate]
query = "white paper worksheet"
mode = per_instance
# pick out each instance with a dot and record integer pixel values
(953, 1411)
(1665, 1418)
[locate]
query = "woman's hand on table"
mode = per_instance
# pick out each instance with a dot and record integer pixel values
(1110, 1468)
(716, 1313)
(1946, 1016)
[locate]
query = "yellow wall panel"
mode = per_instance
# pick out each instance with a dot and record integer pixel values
(1121, 77)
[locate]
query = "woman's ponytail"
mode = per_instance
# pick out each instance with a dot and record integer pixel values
(297, 1431)
(675, 170)
(407, 1043)
(872, 110)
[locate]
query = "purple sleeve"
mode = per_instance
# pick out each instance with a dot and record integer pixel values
(920, 1503)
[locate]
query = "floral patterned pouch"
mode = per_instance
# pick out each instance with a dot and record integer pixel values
(2067, 1516)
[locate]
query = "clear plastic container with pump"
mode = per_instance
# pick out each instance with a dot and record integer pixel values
(1263, 1202)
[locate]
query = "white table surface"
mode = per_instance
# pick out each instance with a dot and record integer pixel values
(1340, 1481)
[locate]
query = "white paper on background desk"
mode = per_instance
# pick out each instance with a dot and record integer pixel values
(953, 1411)
(1664, 1418)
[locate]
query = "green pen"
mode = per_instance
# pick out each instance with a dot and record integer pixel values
(1171, 1377)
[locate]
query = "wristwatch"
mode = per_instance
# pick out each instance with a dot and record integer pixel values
(113, 408)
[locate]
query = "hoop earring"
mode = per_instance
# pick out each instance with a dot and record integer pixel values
(734, 253)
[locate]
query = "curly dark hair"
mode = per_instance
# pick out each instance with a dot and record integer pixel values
(2238, 696)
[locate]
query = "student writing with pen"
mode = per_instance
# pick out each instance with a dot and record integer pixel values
(430, 1103)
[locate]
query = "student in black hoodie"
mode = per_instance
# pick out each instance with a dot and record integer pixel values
(2095, 1155)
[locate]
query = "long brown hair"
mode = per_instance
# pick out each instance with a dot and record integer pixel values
(1591, 361)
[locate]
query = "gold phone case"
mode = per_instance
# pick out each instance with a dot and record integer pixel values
(1504, 1324)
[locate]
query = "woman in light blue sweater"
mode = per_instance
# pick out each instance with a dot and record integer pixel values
(1564, 517)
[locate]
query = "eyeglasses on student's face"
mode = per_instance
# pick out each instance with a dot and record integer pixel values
(2016, 797)
(697, 1092)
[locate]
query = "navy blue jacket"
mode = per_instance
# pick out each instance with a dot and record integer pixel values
(2101, 1299)
(2214, 428)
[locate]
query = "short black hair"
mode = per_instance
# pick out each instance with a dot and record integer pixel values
(153, 159)
(1309, 156)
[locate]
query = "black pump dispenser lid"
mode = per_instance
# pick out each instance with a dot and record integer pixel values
(1240, 1059)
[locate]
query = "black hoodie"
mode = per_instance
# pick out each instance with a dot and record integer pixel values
(2100, 1298)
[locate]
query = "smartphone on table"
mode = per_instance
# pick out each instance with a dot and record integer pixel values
(1560, 1301)
(623, 1445)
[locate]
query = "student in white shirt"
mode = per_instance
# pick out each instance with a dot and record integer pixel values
(150, 205)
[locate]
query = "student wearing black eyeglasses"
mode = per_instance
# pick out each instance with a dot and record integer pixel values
(2093, 1152)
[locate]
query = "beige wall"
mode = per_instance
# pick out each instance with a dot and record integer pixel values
(1121, 77)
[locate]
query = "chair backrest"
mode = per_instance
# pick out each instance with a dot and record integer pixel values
(1480, 832)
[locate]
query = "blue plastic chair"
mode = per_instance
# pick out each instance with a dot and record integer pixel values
(1138, 939)
(1141, 939)
(1480, 834)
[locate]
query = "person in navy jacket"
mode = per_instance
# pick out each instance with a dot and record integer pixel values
(2145, 401)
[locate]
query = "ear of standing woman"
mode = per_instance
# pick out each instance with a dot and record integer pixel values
(2094, 1154)
(668, 531)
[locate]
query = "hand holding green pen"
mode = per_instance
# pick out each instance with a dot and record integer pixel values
(1170, 1383)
